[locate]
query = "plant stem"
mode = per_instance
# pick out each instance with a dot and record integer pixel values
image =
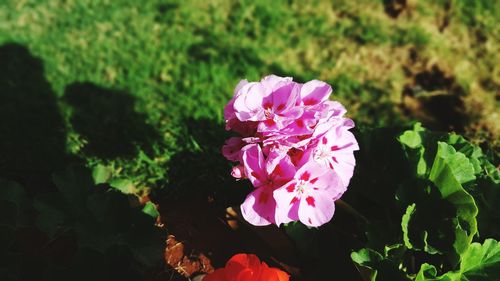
(348, 208)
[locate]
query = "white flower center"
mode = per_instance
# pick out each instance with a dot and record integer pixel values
(301, 186)
(321, 154)
(268, 113)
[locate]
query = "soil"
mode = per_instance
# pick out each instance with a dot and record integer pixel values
(204, 236)
(433, 96)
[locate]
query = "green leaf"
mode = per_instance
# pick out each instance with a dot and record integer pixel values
(460, 166)
(487, 195)
(12, 197)
(446, 174)
(473, 153)
(419, 146)
(101, 219)
(74, 185)
(412, 139)
(12, 192)
(12, 201)
(53, 212)
(428, 272)
(478, 263)
(441, 216)
(395, 252)
(124, 185)
(481, 262)
(405, 221)
(150, 209)
(366, 261)
(427, 226)
(101, 174)
(305, 238)
(373, 266)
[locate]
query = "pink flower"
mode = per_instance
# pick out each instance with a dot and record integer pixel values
(259, 207)
(309, 196)
(314, 92)
(295, 148)
(335, 150)
(238, 172)
(271, 101)
(232, 147)
(229, 113)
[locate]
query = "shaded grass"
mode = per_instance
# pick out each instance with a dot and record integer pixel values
(32, 130)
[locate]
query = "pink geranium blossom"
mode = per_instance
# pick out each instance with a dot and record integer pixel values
(295, 148)
(259, 207)
(309, 196)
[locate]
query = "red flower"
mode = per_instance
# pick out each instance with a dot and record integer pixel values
(243, 267)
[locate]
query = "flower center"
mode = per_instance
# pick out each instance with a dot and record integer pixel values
(301, 186)
(268, 113)
(321, 154)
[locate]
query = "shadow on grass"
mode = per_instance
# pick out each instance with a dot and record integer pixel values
(200, 170)
(107, 120)
(32, 131)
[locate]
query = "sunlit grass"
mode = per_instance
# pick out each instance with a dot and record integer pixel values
(181, 59)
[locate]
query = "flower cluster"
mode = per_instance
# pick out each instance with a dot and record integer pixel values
(247, 267)
(295, 147)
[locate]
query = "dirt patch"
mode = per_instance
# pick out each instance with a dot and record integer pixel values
(204, 236)
(394, 8)
(446, 16)
(433, 96)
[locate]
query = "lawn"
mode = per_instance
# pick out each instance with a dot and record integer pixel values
(134, 91)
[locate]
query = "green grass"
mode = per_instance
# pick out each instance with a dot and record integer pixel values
(140, 87)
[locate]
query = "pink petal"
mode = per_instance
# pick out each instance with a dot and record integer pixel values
(283, 172)
(267, 126)
(248, 103)
(342, 145)
(246, 128)
(301, 126)
(331, 184)
(345, 167)
(284, 97)
(229, 108)
(238, 172)
(292, 113)
(299, 157)
(316, 208)
(287, 203)
(232, 147)
(315, 92)
(334, 108)
(272, 82)
(240, 85)
(253, 161)
(276, 154)
(259, 207)
(312, 169)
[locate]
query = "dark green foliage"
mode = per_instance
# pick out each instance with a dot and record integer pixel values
(440, 206)
(81, 232)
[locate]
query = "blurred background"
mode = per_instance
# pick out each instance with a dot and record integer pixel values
(137, 88)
